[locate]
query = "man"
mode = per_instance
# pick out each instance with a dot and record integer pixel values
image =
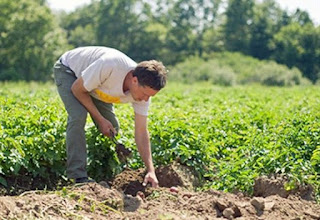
(91, 79)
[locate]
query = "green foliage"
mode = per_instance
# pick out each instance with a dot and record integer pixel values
(118, 24)
(81, 25)
(31, 37)
(228, 135)
(301, 48)
(302, 17)
(102, 160)
(233, 135)
(273, 74)
(173, 30)
(30, 41)
(236, 27)
(213, 40)
(32, 132)
(82, 36)
(196, 69)
(266, 22)
(3, 182)
(315, 159)
(229, 69)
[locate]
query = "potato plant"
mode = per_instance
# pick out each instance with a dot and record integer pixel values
(229, 136)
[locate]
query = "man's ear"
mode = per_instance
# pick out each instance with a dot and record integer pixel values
(135, 80)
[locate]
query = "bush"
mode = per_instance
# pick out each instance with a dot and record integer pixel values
(229, 69)
(273, 74)
(221, 75)
(196, 69)
(188, 71)
(9, 74)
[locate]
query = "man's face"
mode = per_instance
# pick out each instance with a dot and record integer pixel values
(141, 93)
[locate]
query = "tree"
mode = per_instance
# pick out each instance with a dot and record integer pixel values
(301, 17)
(187, 21)
(81, 25)
(299, 46)
(117, 23)
(213, 40)
(236, 28)
(266, 20)
(30, 40)
(127, 26)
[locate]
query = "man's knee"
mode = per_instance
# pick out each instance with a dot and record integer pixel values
(78, 118)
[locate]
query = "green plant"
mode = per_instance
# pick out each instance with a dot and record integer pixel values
(228, 135)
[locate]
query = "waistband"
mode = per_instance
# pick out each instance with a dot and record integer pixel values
(61, 61)
(67, 69)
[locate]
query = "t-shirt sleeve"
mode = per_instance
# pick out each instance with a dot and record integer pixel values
(142, 107)
(96, 74)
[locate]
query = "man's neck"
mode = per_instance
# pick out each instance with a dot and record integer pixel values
(127, 82)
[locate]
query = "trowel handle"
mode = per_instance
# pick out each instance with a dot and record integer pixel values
(113, 137)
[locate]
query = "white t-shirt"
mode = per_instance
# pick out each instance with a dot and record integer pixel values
(103, 71)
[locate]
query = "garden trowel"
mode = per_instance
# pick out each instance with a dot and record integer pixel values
(123, 153)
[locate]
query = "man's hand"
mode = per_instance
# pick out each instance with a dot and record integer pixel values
(80, 92)
(106, 128)
(151, 178)
(143, 144)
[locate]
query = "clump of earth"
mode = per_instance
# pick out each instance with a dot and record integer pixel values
(126, 198)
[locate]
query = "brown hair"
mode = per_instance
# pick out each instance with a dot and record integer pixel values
(151, 73)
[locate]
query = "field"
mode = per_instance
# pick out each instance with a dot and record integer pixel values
(227, 136)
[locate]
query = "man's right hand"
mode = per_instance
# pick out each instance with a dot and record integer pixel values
(80, 92)
(106, 128)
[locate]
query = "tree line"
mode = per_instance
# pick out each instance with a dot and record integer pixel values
(33, 36)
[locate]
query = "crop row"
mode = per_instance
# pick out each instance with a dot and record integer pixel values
(229, 136)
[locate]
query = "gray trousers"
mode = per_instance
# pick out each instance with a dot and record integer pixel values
(77, 116)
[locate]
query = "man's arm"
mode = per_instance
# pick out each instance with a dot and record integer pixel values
(80, 92)
(144, 148)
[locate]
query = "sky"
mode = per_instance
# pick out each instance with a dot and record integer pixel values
(311, 6)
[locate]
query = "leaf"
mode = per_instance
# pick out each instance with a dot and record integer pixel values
(3, 182)
(289, 185)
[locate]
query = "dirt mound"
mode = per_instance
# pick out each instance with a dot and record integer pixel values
(266, 186)
(130, 181)
(127, 199)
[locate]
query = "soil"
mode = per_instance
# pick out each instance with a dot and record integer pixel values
(174, 199)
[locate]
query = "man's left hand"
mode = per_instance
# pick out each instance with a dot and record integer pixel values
(151, 178)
